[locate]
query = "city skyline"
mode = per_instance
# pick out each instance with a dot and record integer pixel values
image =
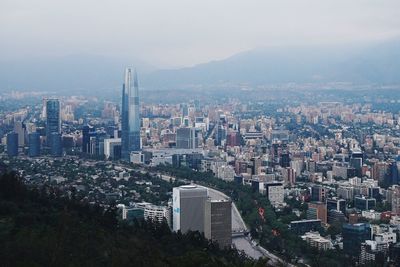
(263, 133)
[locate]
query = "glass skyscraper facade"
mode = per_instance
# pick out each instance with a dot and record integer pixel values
(56, 144)
(130, 117)
(12, 144)
(53, 122)
(34, 144)
(354, 235)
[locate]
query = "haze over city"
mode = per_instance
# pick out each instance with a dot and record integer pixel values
(200, 133)
(184, 33)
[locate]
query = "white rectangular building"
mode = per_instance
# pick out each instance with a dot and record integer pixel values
(188, 203)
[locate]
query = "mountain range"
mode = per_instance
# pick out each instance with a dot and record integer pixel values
(377, 63)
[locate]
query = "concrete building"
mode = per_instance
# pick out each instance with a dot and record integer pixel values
(275, 193)
(188, 203)
(186, 138)
(396, 200)
(19, 128)
(218, 221)
(112, 148)
(317, 210)
(314, 239)
(157, 213)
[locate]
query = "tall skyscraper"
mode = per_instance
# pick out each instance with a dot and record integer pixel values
(87, 132)
(19, 128)
(56, 144)
(12, 144)
(130, 123)
(218, 221)
(34, 144)
(53, 122)
(188, 204)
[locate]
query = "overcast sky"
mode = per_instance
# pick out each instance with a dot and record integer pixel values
(170, 33)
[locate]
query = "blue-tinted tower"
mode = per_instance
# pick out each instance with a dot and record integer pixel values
(53, 122)
(87, 132)
(353, 236)
(34, 144)
(130, 117)
(56, 145)
(12, 144)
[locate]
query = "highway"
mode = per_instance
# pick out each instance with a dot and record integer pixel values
(240, 241)
(244, 243)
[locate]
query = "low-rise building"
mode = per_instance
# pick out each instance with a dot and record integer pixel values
(314, 239)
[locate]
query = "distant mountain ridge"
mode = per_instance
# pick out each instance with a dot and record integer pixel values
(377, 64)
(362, 64)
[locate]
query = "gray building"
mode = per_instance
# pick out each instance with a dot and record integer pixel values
(218, 221)
(275, 193)
(186, 138)
(188, 203)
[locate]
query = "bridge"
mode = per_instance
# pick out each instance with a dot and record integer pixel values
(239, 233)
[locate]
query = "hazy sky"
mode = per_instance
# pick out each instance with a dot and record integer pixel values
(168, 33)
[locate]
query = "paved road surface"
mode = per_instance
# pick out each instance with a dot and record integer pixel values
(250, 247)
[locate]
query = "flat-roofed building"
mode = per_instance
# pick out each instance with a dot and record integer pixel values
(188, 203)
(218, 221)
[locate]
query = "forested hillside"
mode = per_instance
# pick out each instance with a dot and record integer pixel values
(40, 228)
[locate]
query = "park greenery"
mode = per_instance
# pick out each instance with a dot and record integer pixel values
(270, 230)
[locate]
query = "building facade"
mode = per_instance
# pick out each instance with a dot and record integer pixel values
(218, 221)
(130, 115)
(53, 122)
(188, 203)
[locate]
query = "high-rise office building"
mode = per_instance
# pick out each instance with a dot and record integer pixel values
(130, 121)
(12, 144)
(185, 110)
(34, 144)
(220, 134)
(53, 122)
(186, 138)
(218, 221)
(396, 201)
(87, 132)
(353, 236)
(112, 148)
(318, 193)
(317, 210)
(56, 144)
(188, 203)
(275, 193)
(337, 204)
(364, 203)
(19, 128)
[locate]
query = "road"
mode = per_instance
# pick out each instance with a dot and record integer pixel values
(250, 247)
(241, 242)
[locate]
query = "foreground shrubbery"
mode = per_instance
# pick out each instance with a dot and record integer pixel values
(40, 228)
